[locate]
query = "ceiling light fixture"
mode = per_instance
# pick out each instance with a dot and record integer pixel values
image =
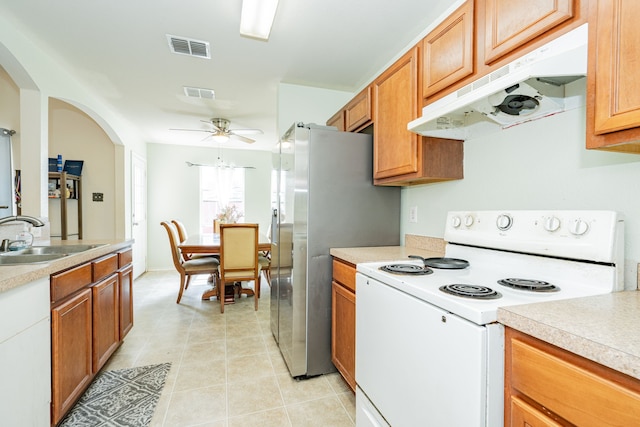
(220, 138)
(257, 18)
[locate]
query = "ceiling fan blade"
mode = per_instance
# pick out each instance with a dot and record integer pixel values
(246, 131)
(242, 138)
(194, 130)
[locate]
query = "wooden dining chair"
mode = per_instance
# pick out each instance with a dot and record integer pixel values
(183, 235)
(192, 267)
(238, 258)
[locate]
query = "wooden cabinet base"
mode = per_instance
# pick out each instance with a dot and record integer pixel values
(71, 368)
(438, 160)
(548, 386)
(343, 321)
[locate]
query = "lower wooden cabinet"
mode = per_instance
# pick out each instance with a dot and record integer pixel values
(71, 362)
(106, 320)
(125, 280)
(91, 312)
(343, 321)
(549, 386)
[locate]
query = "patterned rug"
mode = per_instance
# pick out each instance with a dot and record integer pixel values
(126, 397)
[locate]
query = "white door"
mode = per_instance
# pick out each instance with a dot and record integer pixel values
(139, 213)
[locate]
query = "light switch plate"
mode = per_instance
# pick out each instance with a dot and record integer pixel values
(98, 197)
(413, 214)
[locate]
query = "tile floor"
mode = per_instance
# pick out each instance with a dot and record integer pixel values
(226, 369)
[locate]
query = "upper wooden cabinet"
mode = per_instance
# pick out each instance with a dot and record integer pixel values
(448, 50)
(337, 120)
(356, 115)
(395, 149)
(613, 88)
(358, 112)
(482, 36)
(511, 23)
(401, 157)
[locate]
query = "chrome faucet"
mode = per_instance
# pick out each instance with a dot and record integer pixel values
(5, 246)
(24, 218)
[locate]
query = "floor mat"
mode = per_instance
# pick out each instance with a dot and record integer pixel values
(126, 397)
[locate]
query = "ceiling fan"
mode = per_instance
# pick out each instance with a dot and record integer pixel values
(221, 131)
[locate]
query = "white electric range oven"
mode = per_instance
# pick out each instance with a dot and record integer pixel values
(429, 350)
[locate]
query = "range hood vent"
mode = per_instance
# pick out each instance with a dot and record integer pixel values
(526, 89)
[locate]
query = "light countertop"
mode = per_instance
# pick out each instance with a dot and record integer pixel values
(603, 328)
(12, 276)
(414, 245)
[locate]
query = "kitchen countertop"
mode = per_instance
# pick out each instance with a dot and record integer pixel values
(601, 328)
(415, 245)
(12, 276)
(380, 253)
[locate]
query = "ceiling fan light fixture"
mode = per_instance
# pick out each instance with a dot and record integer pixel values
(257, 18)
(220, 138)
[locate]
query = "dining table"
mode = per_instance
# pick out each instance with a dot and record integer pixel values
(209, 243)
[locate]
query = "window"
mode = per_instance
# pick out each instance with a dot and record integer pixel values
(219, 188)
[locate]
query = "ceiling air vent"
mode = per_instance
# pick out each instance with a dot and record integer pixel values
(185, 46)
(198, 92)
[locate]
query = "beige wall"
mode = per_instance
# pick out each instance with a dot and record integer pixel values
(10, 108)
(76, 136)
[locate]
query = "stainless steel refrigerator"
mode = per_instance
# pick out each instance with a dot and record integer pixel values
(324, 197)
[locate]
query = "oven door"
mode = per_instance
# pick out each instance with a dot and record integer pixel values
(419, 365)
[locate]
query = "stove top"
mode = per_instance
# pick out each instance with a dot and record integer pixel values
(494, 259)
(570, 279)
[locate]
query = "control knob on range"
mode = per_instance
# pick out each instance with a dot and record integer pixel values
(552, 223)
(468, 220)
(456, 221)
(578, 227)
(504, 222)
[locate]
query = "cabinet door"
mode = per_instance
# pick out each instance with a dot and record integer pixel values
(337, 120)
(448, 51)
(343, 332)
(512, 23)
(617, 90)
(106, 320)
(395, 149)
(358, 111)
(125, 281)
(524, 415)
(71, 372)
(572, 388)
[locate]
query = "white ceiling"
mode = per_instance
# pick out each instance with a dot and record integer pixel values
(119, 49)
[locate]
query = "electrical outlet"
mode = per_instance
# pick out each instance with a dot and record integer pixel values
(98, 197)
(413, 214)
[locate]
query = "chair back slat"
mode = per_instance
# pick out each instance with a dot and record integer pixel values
(181, 229)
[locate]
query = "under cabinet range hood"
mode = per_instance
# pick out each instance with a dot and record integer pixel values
(529, 88)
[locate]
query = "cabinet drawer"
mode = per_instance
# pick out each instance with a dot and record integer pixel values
(125, 257)
(345, 274)
(102, 267)
(68, 282)
(568, 389)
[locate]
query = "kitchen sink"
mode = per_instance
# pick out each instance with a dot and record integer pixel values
(29, 259)
(57, 249)
(40, 254)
